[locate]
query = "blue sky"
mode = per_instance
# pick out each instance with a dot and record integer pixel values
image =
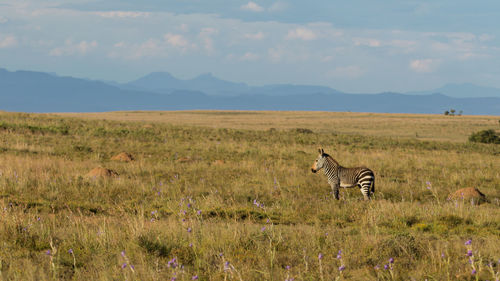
(352, 46)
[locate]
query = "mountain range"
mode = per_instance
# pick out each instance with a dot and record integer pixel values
(30, 91)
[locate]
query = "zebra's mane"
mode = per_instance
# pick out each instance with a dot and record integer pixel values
(331, 159)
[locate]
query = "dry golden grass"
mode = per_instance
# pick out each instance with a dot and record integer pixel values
(246, 196)
(419, 126)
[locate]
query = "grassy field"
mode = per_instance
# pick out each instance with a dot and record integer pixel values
(230, 196)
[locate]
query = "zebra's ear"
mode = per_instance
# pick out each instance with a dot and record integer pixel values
(321, 151)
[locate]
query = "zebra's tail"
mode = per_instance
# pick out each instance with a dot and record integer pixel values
(372, 188)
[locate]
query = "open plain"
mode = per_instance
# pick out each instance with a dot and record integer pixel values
(229, 195)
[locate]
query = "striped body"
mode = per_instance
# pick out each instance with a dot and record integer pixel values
(339, 176)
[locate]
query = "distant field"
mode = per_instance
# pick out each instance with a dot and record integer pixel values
(417, 126)
(228, 195)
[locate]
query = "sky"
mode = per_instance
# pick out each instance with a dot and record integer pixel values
(357, 46)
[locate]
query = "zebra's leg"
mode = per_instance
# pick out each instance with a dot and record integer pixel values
(335, 189)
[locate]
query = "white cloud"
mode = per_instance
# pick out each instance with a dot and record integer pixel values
(424, 65)
(278, 7)
(252, 6)
(71, 48)
(176, 40)
(205, 36)
(402, 43)
(276, 54)
(367, 42)
(288, 54)
(150, 48)
(351, 72)
(255, 36)
(8, 41)
(122, 14)
(249, 57)
(184, 27)
(486, 37)
(301, 33)
(327, 58)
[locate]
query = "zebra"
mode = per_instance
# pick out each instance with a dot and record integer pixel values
(339, 176)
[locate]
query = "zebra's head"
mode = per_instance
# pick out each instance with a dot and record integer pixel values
(320, 161)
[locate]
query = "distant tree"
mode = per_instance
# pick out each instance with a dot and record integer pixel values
(448, 113)
(452, 112)
(460, 113)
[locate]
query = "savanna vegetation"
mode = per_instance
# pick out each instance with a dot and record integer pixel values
(230, 196)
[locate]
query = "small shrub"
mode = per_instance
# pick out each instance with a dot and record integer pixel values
(303, 131)
(485, 136)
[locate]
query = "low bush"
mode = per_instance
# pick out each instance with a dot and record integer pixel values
(485, 136)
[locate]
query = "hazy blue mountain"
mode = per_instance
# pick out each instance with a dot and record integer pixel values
(30, 91)
(464, 90)
(164, 82)
(41, 92)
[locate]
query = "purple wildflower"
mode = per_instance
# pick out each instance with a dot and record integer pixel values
(429, 186)
(189, 229)
(469, 253)
(226, 265)
(194, 277)
(48, 252)
(287, 267)
(189, 205)
(70, 251)
(473, 271)
(442, 255)
(199, 212)
(386, 266)
(341, 268)
(263, 229)
(124, 265)
(468, 242)
(172, 263)
(123, 253)
(376, 267)
(391, 260)
(339, 254)
(320, 256)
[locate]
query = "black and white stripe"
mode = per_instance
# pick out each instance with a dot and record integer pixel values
(339, 176)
